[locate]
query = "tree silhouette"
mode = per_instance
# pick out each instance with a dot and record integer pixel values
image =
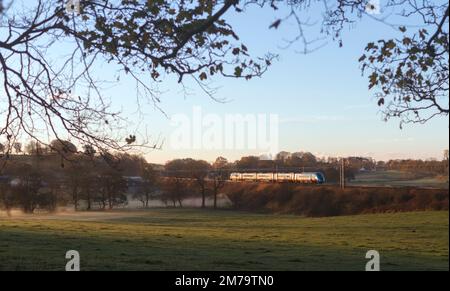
(145, 40)
(149, 40)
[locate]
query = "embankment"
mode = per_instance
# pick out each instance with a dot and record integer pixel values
(318, 201)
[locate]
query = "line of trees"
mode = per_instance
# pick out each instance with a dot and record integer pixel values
(45, 177)
(202, 177)
(183, 178)
(42, 178)
(38, 186)
(417, 166)
(61, 175)
(48, 177)
(190, 177)
(306, 161)
(28, 190)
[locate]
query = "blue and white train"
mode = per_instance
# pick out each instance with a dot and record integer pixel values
(304, 178)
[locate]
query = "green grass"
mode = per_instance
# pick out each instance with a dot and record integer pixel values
(169, 239)
(399, 179)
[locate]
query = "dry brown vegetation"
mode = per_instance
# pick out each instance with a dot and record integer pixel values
(320, 201)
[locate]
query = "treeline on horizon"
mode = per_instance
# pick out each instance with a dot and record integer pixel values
(283, 161)
(41, 177)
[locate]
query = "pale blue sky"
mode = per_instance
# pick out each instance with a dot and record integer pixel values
(321, 99)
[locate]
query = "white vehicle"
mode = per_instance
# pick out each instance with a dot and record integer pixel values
(249, 177)
(285, 177)
(268, 177)
(304, 178)
(236, 177)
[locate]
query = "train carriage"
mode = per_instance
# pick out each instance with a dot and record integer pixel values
(285, 177)
(303, 178)
(268, 177)
(236, 177)
(249, 177)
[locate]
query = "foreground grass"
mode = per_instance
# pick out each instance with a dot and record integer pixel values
(224, 240)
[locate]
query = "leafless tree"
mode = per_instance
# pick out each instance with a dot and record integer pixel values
(195, 170)
(6, 197)
(199, 172)
(219, 176)
(112, 188)
(175, 190)
(17, 147)
(75, 176)
(59, 95)
(34, 148)
(148, 187)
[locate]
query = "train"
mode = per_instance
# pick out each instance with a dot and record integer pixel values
(303, 178)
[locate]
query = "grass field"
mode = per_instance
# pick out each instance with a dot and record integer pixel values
(399, 179)
(170, 239)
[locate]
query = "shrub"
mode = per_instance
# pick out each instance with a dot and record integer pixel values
(332, 201)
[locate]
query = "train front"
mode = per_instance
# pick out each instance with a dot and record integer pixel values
(320, 178)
